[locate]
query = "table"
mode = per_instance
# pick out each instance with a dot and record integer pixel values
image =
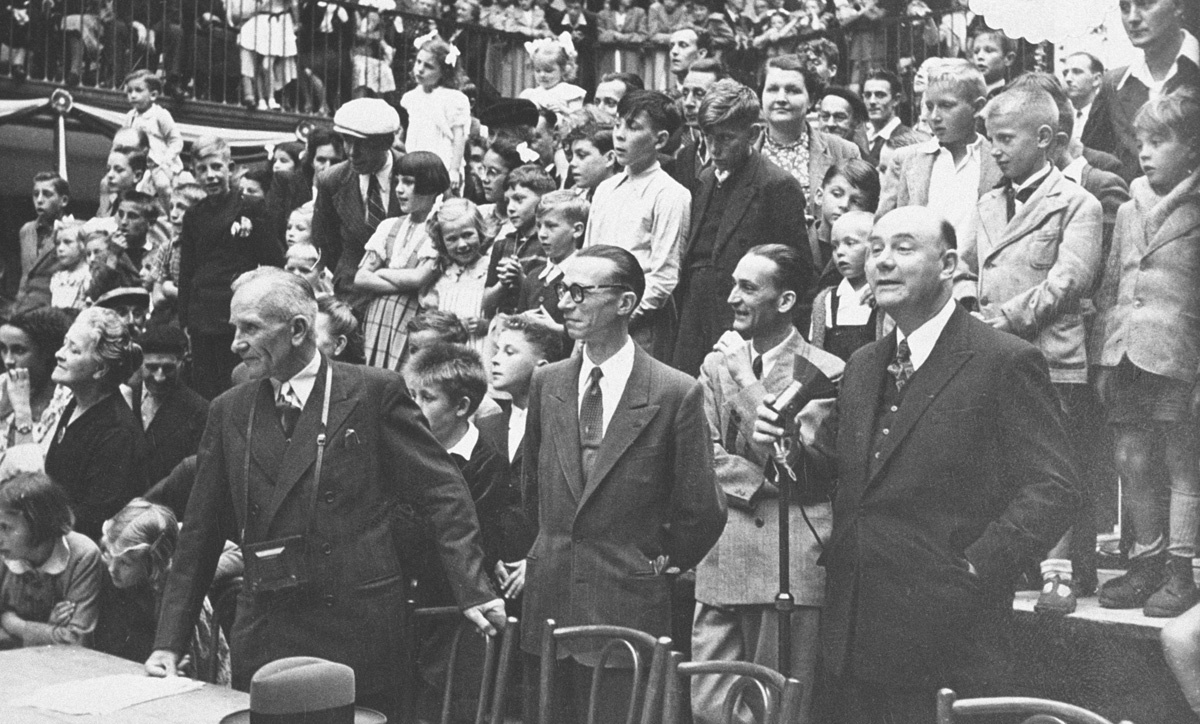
(23, 670)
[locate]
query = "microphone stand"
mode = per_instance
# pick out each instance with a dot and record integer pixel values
(784, 479)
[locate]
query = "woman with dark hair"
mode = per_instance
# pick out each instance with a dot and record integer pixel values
(98, 454)
(398, 260)
(510, 148)
(30, 403)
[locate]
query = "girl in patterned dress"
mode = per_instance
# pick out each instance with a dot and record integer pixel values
(457, 230)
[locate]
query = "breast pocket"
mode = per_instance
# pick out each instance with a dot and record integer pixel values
(1043, 248)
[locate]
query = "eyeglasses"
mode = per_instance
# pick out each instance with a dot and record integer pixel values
(578, 291)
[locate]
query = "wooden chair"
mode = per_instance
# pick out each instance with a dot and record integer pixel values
(952, 710)
(780, 698)
(637, 646)
(498, 661)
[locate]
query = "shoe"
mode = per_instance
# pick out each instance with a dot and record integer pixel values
(1057, 597)
(1177, 594)
(1131, 590)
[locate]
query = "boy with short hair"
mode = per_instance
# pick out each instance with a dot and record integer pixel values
(1037, 254)
(136, 213)
(304, 260)
(143, 89)
(517, 251)
(561, 220)
(590, 148)
(844, 315)
(51, 194)
(125, 169)
(993, 53)
(166, 264)
(646, 212)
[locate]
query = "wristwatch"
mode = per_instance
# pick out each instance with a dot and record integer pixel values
(25, 429)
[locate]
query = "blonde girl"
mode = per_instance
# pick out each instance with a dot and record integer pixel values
(553, 67)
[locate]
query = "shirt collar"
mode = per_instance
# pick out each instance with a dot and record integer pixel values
(302, 382)
(619, 366)
(1074, 170)
(846, 290)
(1035, 179)
(54, 565)
(773, 355)
(466, 444)
(1188, 49)
(383, 174)
(626, 176)
(550, 271)
(886, 132)
(923, 338)
(972, 154)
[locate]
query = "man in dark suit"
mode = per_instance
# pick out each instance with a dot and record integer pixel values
(618, 476)
(954, 472)
(692, 157)
(742, 201)
(358, 193)
(319, 511)
(172, 415)
(1170, 60)
(882, 91)
(583, 26)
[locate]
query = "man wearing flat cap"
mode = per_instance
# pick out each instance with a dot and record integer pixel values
(358, 193)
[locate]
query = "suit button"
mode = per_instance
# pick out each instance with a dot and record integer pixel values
(329, 496)
(254, 509)
(894, 408)
(1137, 303)
(876, 456)
(327, 599)
(327, 549)
(984, 300)
(887, 431)
(758, 522)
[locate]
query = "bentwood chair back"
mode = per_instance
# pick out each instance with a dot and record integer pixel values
(952, 710)
(772, 698)
(618, 647)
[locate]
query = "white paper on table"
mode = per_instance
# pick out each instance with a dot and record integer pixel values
(105, 694)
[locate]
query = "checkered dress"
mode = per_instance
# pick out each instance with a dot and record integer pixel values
(403, 245)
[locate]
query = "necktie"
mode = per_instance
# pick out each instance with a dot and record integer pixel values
(591, 421)
(1011, 197)
(289, 413)
(901, 368)
(757, 366)
(877, 147)
(376, 210)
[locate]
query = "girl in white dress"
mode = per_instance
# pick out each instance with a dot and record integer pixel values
(439, 115)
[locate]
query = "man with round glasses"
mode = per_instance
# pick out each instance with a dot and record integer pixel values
(618, 476)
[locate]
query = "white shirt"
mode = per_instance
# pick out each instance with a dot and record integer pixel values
(298, 389)
(385, 185)
(1074, 170)
(852, 311)
(885, 133)
(615, 375)
(1081, 119)
(923, 338)
(466, 444)
(516, 430)
(1190, 49)
(772, 356)
(1035, 178)
(551, 272)
(954, 188)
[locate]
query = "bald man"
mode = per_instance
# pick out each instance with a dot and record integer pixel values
(954, 472)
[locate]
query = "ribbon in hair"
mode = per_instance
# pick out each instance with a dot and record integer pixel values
(533, 47)
(527, 154)
(451, 54)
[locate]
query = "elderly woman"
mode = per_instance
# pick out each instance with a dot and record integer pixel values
(98, 453)
(790, 142)
(30, 403)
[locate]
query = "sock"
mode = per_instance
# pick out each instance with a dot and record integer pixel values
(1060, 567)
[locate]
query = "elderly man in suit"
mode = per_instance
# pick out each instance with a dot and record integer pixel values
(358, 193)
(742, 200)
(737, 582)
(954, 471)
(302, 468)
(618, 477)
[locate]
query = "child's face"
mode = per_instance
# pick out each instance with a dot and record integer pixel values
(330, 344)
(283, 162)
(146, 273)
(461, 239)
(46, 201)
(951, 117)
(127, 568)
(547, 72)
(412, 202)
(514, 362)
(989, 58)
(495, 176)
(885, 159)
(777, 22)
(813, 7)
(1164, 159)
(837, 197)
(304, 262)
(589, 165)
(214, 173)
(522, 207)
(251, 188)
(69, 252)
(298, 230)
(131, 222)
(139, 95)
(1016, 145)
(427, 72)
(325, 157)
(525, 4)
(850, 250)
(16, 538)
(179, 209)
(98, 255)
(120, 176)
(475, 154)
(443, 414)
(636, 143)
(557, 235)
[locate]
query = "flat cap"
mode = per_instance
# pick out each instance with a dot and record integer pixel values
(124, 295)
(363, 117)
(509, 112)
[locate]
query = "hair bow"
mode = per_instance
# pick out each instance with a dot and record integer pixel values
(564, 39)
(429, 37)
(527, 154)
(533, 47)
(452, 52)
(66, 222)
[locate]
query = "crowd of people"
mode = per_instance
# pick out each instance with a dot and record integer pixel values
(524, 359)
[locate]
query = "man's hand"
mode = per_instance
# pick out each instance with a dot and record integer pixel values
(512, 577)
(768, 426)
(731, 345)
(163, 663)
(488, 617)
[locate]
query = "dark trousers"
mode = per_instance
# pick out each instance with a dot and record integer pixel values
(867, 702)
(1084, 419)
(572, 692)
(212, 362)
(704, 315)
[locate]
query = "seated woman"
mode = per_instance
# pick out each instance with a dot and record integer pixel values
(30, 403)
(50, 579)
(98, 453)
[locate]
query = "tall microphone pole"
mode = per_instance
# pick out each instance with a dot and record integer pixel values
(786, 404)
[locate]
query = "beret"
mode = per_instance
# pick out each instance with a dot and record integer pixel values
(509, 112)
(363, 117)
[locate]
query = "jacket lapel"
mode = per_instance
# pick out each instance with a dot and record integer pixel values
(1045, 202)
(1184, 219)
(920, 171)
(563, 417)
(708, 182)
(629, 419)
(739, 202)
(948, 355)
(864, 406)
(268, 445)
(350, 202)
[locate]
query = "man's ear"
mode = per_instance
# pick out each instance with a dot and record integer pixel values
(577, 230)
(300, 330)
(949, 263)
(340, 346)
(787, 300)
(463, 407)
(610, 160)
(979, 103)
(660, 139)
(628, 303)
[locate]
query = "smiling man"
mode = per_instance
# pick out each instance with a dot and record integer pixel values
(881, 92)
(267, 479)
(954, 472)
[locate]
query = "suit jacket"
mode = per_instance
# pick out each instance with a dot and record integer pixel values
(633, 30)
(743, 567)
(651, 494)
(912, 167)
(339, 223)
(176, 429)
(34, 289)
(876, 147)
(1035, 270)
(975, 471)
(516, 531)
(1103, 161)
(380, 451)
(1149, 302)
